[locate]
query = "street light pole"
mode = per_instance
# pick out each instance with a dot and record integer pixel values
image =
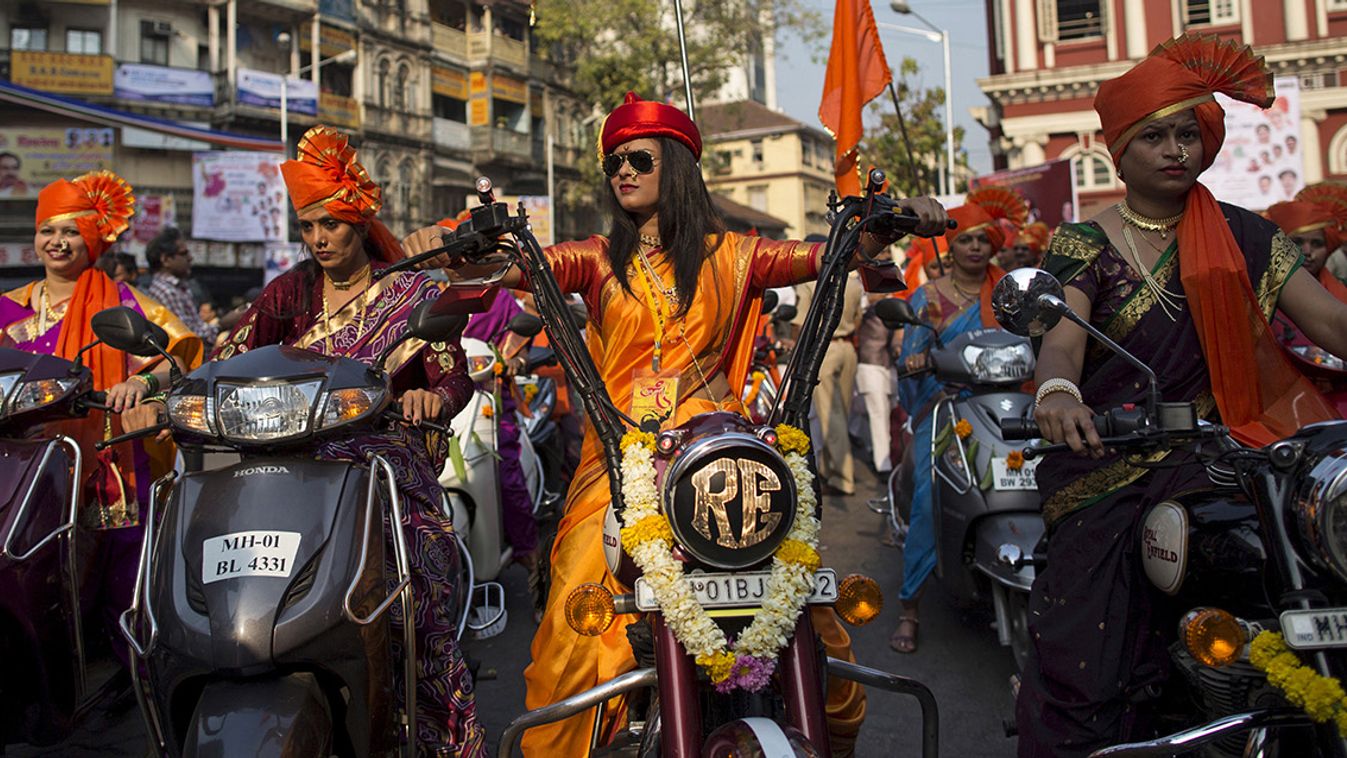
(941, 36)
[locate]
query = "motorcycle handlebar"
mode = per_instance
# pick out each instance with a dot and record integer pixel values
(1115, 423)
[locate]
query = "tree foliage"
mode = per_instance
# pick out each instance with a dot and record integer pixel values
(923, 115)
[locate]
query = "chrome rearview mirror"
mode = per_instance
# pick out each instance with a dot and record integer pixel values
(1019, 303)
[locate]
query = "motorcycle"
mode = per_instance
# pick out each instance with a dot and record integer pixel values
(1259, 550)
(470, 479)
(53, 655)
(984, 501)
(245, 610)
(684, 716)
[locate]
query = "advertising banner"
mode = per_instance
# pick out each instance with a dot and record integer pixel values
(161, 84)
(18, 254)
(1260, 162)
(263, 90)
(66, 73)
(154, 214)
(1049, 187)
(448, 82)
(338, 110)
(278, 258)
(332, 40)
(237, 196)
(30, 159)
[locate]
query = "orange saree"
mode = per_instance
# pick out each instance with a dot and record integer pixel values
(716, 333)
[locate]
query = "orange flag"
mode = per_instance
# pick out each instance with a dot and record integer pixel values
(857, 73)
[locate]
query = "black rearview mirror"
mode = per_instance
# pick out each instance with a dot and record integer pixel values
(424, 324)
(125, 329)
(896, 313)
(770, 300)
(786, 313)
(525, 325)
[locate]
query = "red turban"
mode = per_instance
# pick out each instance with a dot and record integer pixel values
(971, 218)
(1299, 217)
(100, 202)
(326, 174)
(636, 118)
(1333, 197)
(1035, 236)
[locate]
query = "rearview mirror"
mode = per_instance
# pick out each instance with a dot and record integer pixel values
(770, 300)
(1018, 304)
(525, 325)
(786, 313)
(896, 313)
(125, 329)
(424, 324)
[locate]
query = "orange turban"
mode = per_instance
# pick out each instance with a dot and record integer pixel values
(636, 118)
(1035, 236)
(1261, 396)
(1334, 198)
(327, 174)
(100, 202)
(971, 218)
(1299, 217)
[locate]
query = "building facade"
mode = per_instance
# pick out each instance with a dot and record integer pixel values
(769, 162)
(1048, 58)
(436, 93)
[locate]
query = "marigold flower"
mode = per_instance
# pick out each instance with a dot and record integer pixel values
(717, 665)
(647, 529)
(1321, 697)
(791, 440)
(638, 437)
(1015, 460)
(488, 411)
(794, 551)
(963, 428)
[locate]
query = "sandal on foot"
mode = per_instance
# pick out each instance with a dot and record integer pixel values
(905, 643)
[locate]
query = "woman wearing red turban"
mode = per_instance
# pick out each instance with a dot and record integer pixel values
(77, 221)
(1187, 285)
(669, 291)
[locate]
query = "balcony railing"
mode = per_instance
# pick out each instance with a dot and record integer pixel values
(450, 41)
(502, 143)
(485, 47)
(452, 134)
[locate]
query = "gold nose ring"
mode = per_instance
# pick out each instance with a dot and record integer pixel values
(1183, 154)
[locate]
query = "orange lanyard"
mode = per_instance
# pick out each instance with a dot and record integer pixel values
(653, 303)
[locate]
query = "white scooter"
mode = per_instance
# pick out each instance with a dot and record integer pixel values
(471, 482)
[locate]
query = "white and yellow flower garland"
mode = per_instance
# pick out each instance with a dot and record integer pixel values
(748, 662)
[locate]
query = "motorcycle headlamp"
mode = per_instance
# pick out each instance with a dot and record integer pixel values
(1003, 363)
(1321, 512)
(38, 393)
(265, 412)
(1319, 356)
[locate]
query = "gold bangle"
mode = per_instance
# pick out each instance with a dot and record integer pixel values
(1055, 385)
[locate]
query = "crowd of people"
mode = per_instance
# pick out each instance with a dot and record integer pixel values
(1167, 272)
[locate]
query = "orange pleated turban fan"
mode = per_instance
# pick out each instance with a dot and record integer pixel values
(1333, 197)
(1036, 236)
(100, 202)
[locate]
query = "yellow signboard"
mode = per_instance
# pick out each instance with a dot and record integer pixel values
(332, 40)
(506, 88)
(479, 112)
(339, 110)
(477, 83)
(536, 102)
(449, 82)
(66, 73)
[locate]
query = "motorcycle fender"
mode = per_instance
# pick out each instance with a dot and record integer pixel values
(1023, 530)
(1164, 546)
(293, 708)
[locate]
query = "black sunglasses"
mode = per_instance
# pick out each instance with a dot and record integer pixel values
(642, 162)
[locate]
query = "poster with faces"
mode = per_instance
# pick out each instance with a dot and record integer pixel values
(1261, 162)
(237, 196)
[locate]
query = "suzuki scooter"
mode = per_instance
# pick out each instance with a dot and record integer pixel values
(984, 499)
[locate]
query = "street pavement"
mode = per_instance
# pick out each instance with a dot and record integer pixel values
(958, 658)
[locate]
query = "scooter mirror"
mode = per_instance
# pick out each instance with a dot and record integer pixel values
(525, 325)
(1018, 301)
(424, 324)
(786, 313)
(896, 313)
(770, 300)
(124, 329)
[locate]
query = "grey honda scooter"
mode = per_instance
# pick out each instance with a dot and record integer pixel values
(261, 612)
(986, 509)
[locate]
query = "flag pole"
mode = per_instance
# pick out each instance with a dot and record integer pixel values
(683, 52)
(924, 187)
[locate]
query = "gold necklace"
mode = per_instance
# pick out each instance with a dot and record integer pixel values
(349, 283)
(961, 290)
(1169, 301)
(649, 240)
(1145, 223)
(42, 312)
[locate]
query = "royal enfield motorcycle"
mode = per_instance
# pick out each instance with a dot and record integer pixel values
(714, 469)
(1261, 549)
(984, 498)
(261, 614)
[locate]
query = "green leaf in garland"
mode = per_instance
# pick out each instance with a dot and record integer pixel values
(456, 459)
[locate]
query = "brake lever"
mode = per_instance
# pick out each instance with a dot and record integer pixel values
(395, 417)
(146, 432)
(1035, 451)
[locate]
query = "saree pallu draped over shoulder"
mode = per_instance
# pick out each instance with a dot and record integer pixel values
(713, 339)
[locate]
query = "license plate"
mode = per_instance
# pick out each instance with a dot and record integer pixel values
(240, 554)
(1006, 478)
(1308, 630)
(737, 590)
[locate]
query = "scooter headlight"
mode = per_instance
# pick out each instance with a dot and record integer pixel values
(1004, 363)
(260, 413)
(38, 393)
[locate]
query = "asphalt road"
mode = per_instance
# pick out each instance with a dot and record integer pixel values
(958, 658)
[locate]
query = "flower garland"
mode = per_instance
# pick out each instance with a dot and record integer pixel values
(1319, 696)
(748, 662)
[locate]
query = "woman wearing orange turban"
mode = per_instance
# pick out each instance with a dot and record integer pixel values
(1028, 245)
(76, 222)
(666, 267)
(954, 304)
(1187, 285)
(329, 304)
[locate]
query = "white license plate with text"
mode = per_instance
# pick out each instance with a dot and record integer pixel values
(1308, 630)
(240, 554)
(737, 590)
(1006, 478)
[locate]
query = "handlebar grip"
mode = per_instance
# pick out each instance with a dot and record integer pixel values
(1019, 429)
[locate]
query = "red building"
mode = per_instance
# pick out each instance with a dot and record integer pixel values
(1048, 57)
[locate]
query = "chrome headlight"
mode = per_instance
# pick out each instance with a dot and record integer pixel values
(1005, 363)
(263, 412)
(38, 393)
(195, 413)
(7, 382)
(1321, 511)
(1319, 356)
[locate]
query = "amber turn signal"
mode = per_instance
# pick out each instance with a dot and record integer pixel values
(1213, 636)
(859, 600)
(589, 609)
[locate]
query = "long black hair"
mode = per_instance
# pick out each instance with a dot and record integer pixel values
(687, 219)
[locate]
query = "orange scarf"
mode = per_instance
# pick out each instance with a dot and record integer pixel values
(994, 274)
